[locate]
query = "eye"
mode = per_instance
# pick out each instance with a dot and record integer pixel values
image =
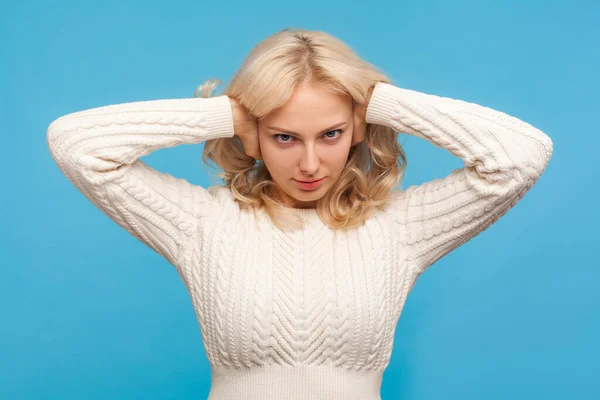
(285, 138)
(335, 137)
(282, 135)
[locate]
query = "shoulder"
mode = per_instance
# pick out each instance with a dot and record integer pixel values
(221, 192)
(224, 198)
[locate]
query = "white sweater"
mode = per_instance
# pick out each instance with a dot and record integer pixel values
(308, 314)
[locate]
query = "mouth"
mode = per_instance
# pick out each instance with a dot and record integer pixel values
(310, 185)
(316, 180)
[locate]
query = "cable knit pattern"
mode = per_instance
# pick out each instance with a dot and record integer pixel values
(503, 158)
(99, 150)
(307, 313)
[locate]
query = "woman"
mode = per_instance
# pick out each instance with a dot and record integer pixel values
(298, 286)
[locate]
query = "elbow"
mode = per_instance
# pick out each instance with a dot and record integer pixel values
(530, 154)
(541, 153)
(548, 149)
(56, 140)
(53, 134)
(525, 163)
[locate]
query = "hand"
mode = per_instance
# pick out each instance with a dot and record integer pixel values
(360, 124)
(245, 127)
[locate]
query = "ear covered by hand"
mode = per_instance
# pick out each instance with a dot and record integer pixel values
(360, 124)
(245, 127)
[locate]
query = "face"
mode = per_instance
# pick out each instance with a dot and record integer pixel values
(307, 139)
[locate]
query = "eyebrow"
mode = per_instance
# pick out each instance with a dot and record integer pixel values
(297, 134)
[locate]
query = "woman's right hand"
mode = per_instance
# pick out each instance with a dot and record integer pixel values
(245, 127)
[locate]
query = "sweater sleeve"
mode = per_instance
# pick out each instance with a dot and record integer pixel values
(99, 151)
(503, 157)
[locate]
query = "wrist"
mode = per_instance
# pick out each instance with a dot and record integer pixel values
(236, 113)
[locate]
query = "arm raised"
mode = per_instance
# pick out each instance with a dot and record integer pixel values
(99, 151)
(503, 157)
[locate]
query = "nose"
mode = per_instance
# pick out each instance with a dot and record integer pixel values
(309, 161)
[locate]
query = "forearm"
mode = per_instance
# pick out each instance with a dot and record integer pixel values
(102, 139)
(497, 145)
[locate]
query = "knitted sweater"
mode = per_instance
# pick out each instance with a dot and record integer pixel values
(308, 313)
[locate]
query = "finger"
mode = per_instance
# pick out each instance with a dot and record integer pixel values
(359, 128)
(257, 153)
(255, 146)
(359, 136)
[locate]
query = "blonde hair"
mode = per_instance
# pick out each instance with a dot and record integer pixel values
(264, 82)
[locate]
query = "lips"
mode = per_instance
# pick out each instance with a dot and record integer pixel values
(312, 185)
(316, 180)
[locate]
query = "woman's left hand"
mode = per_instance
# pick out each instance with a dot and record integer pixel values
(360, 124)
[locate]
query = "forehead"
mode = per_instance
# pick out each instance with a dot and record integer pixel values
(312, 103)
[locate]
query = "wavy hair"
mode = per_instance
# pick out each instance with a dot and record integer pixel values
(264, 82)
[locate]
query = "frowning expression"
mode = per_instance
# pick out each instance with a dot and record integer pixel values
(307, 139)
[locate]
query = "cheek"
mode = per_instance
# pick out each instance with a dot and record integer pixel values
(343, 152)
(266, 149)
(340, 157)
(278, 161)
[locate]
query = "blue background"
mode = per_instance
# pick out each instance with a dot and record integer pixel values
(88, 312)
